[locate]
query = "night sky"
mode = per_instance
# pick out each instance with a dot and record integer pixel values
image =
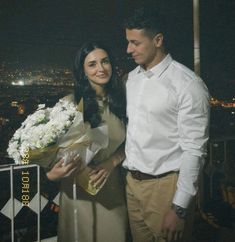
(36, 32)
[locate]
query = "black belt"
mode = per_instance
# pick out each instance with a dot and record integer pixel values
(138, 175)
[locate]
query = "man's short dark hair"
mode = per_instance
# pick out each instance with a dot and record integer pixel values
(148, 19)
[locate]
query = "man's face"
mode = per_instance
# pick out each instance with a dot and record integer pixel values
(142, 47)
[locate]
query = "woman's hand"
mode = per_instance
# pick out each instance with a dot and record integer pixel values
(61, 170)
(100, 173)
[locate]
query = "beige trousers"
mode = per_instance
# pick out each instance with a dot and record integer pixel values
(148, 201)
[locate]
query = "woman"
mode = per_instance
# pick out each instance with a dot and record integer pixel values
(101, 217)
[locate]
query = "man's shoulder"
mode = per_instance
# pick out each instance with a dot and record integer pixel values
(133, 72)
(183, 70)
(187, 80)
(183, 76)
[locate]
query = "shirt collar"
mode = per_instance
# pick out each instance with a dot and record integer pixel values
(158, 69)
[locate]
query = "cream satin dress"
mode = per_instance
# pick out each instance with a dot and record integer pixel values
(101, 217)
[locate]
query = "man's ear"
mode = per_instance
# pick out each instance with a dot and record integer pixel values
(158, 40)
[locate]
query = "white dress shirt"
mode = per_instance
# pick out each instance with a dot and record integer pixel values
(168, 114)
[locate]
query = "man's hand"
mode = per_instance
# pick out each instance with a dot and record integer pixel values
(172, 227)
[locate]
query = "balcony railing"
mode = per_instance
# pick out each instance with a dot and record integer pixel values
(22, 204)
(21, 188)
(217, 184)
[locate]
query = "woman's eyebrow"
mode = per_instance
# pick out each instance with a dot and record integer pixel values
(92, 61)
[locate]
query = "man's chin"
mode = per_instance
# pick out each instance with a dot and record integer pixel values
(138, 61)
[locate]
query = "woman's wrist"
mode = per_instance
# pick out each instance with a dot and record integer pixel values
(50, 176)
(118, 158)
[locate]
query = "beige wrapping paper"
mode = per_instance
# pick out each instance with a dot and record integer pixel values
(79, 139)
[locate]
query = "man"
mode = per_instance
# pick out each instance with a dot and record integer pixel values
(168, 113)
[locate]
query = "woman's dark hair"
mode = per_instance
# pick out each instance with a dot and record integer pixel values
(83, 89)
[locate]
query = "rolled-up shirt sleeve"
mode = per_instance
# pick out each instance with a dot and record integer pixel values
(193, 122)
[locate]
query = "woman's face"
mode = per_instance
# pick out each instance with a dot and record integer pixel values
(97, 68)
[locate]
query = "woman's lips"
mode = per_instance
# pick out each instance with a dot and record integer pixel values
(102, 76)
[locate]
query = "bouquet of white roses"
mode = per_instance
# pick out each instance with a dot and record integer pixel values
(53, 133)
